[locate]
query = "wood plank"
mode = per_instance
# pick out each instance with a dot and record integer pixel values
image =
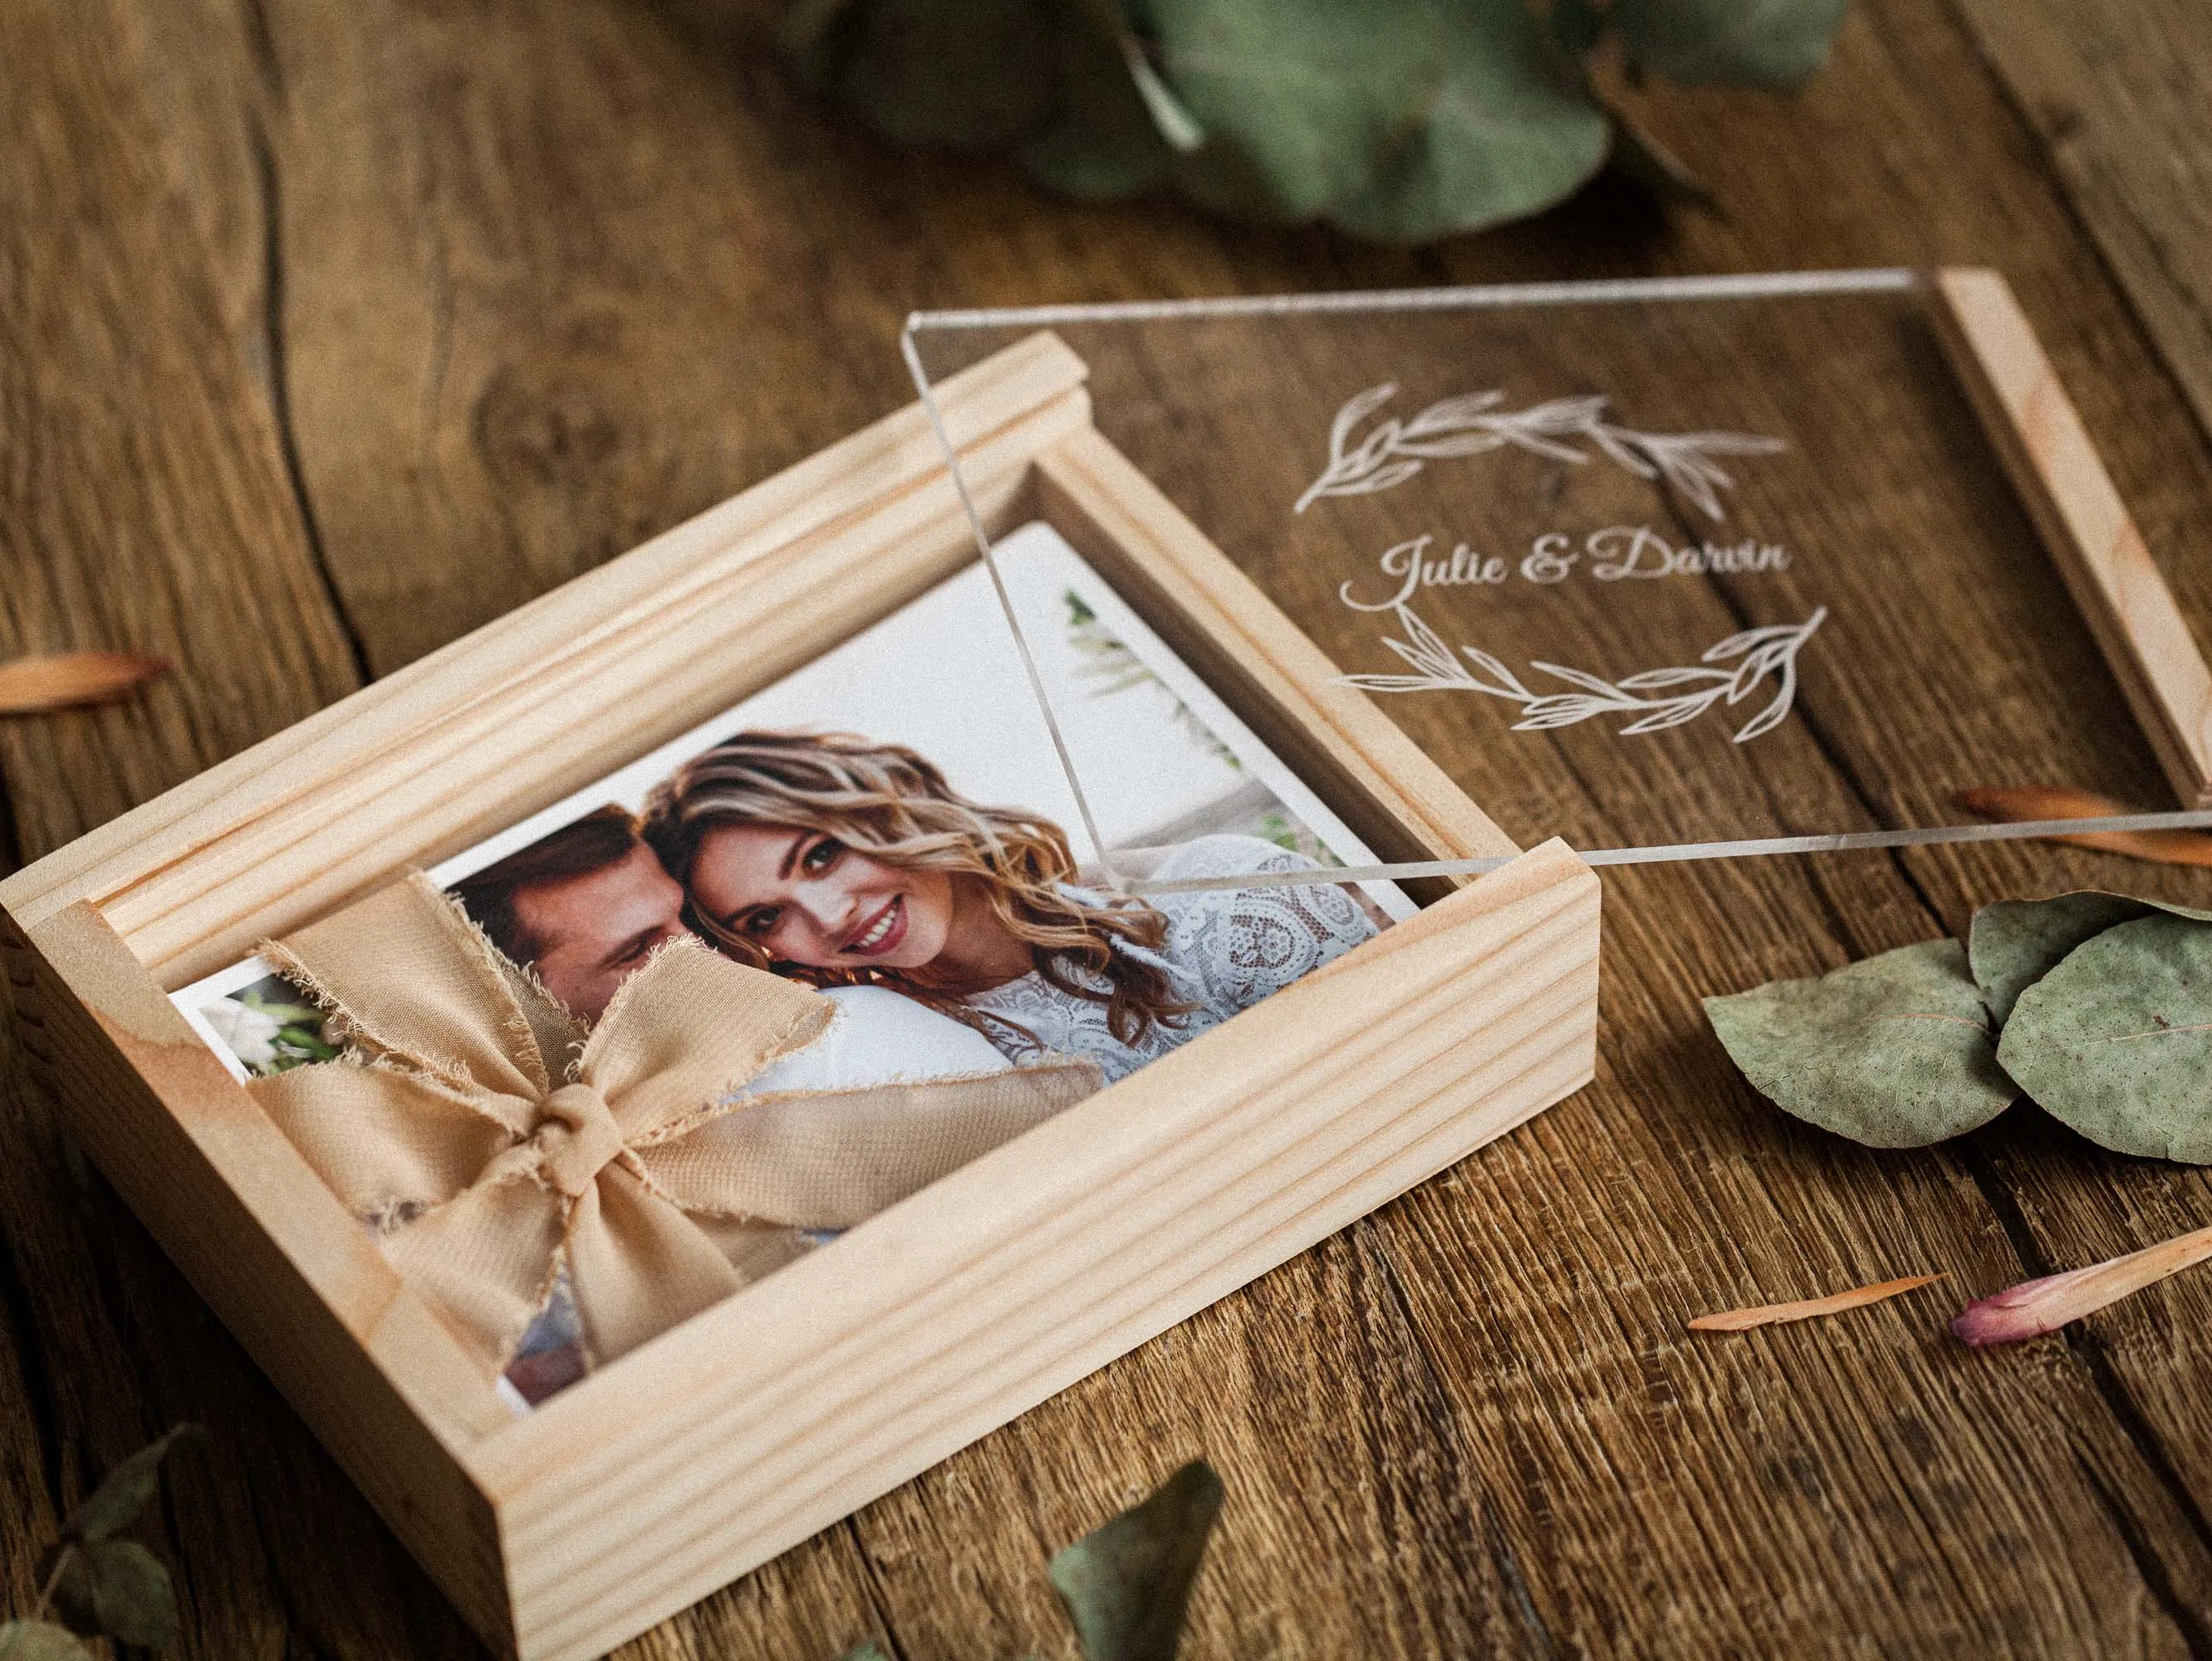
(148, 507)
(2119, 96)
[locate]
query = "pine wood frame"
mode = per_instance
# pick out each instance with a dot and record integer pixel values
(661, 1477)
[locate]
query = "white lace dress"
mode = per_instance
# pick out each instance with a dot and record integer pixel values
(1226, 949)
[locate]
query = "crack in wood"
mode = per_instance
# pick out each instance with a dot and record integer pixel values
(280, 395)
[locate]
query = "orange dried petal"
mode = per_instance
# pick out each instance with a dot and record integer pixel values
(1767, 1314)
(31, 686)
(2032, 802)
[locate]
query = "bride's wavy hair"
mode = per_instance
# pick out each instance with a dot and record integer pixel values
(888, 802)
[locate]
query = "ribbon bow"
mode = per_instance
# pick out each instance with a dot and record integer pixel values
(457, 1127)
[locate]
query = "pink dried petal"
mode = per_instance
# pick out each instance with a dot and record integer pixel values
(2034, 1307)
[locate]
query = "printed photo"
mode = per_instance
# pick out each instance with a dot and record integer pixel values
(892, 825)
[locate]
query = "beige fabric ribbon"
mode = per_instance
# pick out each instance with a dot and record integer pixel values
(459, 1126)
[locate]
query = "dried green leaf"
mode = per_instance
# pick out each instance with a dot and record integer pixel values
(1893, 1052)
(39, 1641)
(2116, 1040)
(1300, 100)
(1778, 45)
(115, 1504)
(818, 36)
(113, 1589)
(64, 1567)
(1501, 135)
(1127, 1584)
(2015, 943)
(1103, 139)
(1576, 26)
(961, 75)
(866, 1650)
(132, 1600)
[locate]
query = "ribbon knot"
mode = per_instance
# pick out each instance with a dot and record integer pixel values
(578, 1139)
(645, 1169)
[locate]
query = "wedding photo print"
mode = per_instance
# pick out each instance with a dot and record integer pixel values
(890, 833)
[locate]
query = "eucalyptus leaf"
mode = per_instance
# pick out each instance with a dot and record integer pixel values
(1778, 45)
(39, 1640)
(1499, 135)
(1576, 26)
(1893, 1052)
(2015, 943)
(1128, 1583)
(961, 75)
(866, 1650)
(115, 1504)
(1299, 99)
(1104, 138)
(2116, 1040)
(66, 1566)
(818, 36)
(132, 1600)
(114, 1589)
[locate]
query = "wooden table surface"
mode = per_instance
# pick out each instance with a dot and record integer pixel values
(329, 332)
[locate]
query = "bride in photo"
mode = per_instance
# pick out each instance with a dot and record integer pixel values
(846, 862)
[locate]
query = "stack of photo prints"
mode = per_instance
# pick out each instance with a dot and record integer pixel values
(892, 824)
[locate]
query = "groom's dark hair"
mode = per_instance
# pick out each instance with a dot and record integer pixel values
(601, 837)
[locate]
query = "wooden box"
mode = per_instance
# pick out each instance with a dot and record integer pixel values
(561, 1533)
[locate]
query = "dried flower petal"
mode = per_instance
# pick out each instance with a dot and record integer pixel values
(1741, 1320)
(31, 686)
(2034, 1307)
(2160, 847)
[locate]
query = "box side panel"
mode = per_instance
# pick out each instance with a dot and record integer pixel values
(756, 1424)
(297, 1282)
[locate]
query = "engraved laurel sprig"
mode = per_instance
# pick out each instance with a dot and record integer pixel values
(1393, 451)
(1763, 651)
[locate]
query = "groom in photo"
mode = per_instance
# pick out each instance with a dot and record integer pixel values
(585, 907)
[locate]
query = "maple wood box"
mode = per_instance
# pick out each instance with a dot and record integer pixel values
(562, 1532)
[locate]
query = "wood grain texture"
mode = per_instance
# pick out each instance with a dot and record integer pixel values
(1471, 1425)
(2117, 94)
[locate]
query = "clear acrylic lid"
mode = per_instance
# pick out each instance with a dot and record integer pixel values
(1664, 568)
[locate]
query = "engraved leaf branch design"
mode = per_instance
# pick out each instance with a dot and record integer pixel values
(1393, 451)
(1762, 652)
